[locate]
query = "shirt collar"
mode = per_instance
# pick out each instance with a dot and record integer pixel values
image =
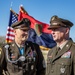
(63, 44)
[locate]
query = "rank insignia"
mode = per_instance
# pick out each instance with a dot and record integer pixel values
(66, 55)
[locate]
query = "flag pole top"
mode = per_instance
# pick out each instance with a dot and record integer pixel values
(11, 6)
(21, 5)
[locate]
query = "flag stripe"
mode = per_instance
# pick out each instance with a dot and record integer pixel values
(11, 38)
(10, 32)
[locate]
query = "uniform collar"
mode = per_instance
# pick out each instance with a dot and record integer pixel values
(63, 44)
(19, 45)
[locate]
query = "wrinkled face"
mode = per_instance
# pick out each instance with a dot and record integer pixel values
(59, 33)
(21, 35)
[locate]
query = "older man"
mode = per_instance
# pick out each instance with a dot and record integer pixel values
(61, 58)
(24, 57)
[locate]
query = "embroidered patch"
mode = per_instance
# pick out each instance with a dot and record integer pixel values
(50, 56)
(66, 55)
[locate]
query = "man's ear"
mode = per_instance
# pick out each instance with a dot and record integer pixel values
(14, 30)
(67, 30)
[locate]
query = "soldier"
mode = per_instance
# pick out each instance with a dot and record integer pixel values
(61, 58)
(2, 61)
(24, 57)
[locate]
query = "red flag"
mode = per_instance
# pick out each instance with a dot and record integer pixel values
(38, 33)
(24, 14)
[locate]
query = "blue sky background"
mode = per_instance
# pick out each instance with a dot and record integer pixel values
(42, 10)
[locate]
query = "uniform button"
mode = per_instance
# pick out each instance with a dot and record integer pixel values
(53, 63)
(52, 71)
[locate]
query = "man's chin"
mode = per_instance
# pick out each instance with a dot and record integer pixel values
(54, 39)
(24, 39)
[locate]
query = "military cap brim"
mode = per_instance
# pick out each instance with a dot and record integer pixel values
(52, 27)
(57, 22)
(22, 24)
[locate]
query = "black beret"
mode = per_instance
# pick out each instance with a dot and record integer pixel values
(22, 24)
(56, 22)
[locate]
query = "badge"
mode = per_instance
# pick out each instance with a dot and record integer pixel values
(12, 44)
(12, 56)
(50, 56)
(32, 67)
(22, 58)
(62, 70)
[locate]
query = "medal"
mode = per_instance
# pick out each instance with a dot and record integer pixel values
(22, 58)
(62, 70)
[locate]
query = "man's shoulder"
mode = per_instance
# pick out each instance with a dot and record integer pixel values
(9, 44)
(73, 44)
(34, 46)
(70, 44)
(51, 50)
(29, 42)
(2, 45)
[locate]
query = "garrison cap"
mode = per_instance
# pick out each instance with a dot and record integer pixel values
(56, 22)
(22, 24)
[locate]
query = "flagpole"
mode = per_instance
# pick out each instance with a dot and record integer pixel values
(11, 5)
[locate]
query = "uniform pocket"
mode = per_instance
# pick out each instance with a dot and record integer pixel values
(65, 61)
(64, 66)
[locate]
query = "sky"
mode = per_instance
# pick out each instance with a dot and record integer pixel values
(41, 10)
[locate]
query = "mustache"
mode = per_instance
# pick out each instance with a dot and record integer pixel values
(24, 34)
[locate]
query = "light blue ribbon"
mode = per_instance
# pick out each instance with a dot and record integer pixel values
(22, 50)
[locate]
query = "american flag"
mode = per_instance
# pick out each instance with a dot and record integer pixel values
(10, 34)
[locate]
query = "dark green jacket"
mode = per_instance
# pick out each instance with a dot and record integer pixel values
(64, 62)
(28, 67)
